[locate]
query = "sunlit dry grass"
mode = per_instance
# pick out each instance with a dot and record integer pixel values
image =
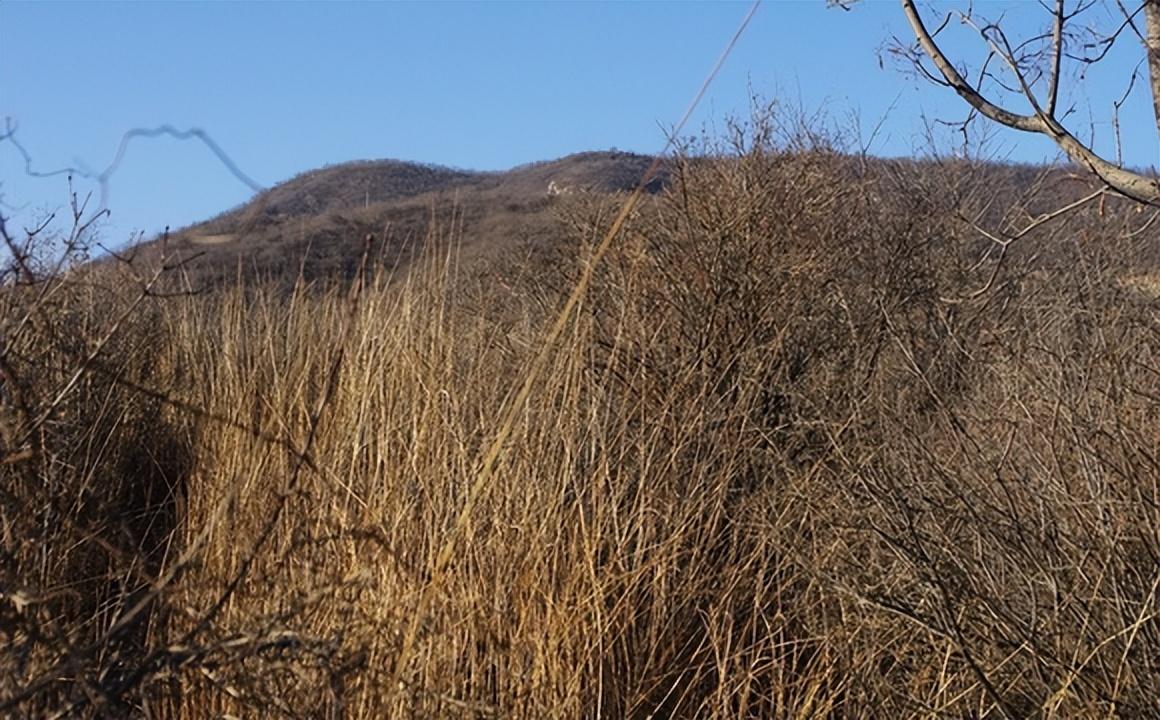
(782, 463)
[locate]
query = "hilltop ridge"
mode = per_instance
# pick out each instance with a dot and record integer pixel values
(314, 224)
(315, 221)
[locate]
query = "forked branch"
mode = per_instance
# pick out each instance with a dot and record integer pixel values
(1043, 119)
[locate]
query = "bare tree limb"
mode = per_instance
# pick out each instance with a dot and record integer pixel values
(1125, 182)
(1056, 57)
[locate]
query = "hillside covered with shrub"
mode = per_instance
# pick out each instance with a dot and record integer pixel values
(316, 224)
(823, 436)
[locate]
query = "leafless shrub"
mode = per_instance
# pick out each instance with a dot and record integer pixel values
(829, 436)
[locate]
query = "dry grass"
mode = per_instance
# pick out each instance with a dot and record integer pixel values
(782, 464)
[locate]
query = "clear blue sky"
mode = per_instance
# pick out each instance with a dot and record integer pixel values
(286, 87)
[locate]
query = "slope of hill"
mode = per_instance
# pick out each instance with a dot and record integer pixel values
(809, 446)
(316, 222)
(355, 184)
(593, 171)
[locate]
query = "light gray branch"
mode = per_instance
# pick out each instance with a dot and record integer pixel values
(1133, 185)
(1056, 57)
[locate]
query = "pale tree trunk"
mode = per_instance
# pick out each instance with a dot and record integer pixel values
(1152, 46)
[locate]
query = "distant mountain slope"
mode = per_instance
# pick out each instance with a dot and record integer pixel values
(359, 183)
(344, 186)
(316, 222)
(592, 171)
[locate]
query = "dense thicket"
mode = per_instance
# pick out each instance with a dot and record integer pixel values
(813, 445)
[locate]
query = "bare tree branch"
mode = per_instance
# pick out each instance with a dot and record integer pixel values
(1125, 182)
(1056, 57)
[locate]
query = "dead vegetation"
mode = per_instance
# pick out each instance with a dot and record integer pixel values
(323, 216)
(813, 446)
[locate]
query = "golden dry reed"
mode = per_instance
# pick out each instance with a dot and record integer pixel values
(784, 460)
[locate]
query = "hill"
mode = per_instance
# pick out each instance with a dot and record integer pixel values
(809, 444)
(316, 223)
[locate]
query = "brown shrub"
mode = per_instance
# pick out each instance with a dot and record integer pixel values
(810, 448)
